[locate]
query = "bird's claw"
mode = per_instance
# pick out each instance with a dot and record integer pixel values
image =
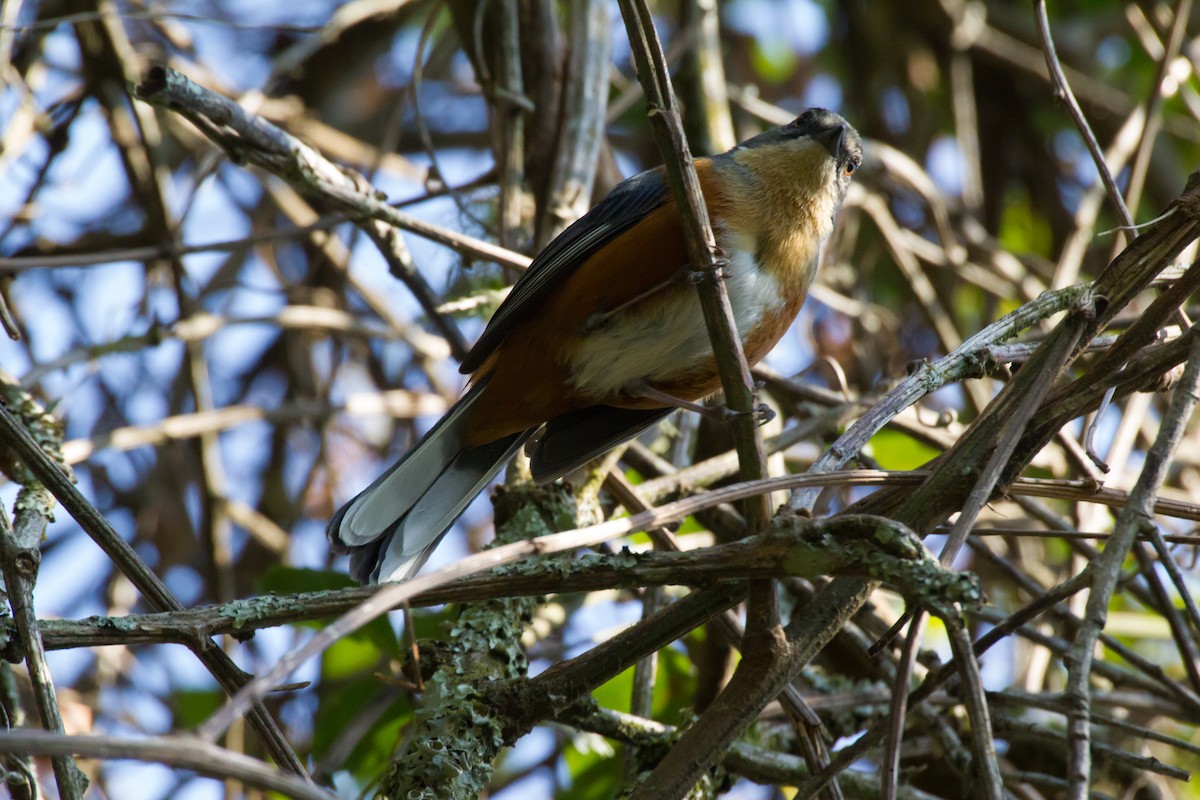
(761, 414)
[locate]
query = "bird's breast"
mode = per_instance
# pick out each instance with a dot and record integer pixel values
(663, 339)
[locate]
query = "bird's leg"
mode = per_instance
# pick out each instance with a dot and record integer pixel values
(722, 413)
(598, 320)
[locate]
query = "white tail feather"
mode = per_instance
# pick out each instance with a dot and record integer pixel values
(392, 526)
(423, 525)
(394, 492)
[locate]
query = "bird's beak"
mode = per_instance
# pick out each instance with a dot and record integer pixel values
(832, 138)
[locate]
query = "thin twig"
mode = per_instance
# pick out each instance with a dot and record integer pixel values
(396, 403)
(983, 744)
(898, 708)
(1165, 557)
(766, 767)
(393, 595)
(1181, 15)
(1163, 603)
(1062, 89)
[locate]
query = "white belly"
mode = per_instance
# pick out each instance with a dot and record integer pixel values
(665, 336)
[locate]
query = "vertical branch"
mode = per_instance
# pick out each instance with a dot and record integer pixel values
(20, 770)
(898, 708)
(585, 98)
(702, 245)
(1106, 572)
(701, 79)
(19, 560)
(545, 74)
(456, 735)
(764, 637)
(641, 700)
(968, 18)
(511, 104)
(983, 744)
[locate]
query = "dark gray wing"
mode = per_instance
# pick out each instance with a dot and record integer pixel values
(573, 439)
(620, 210)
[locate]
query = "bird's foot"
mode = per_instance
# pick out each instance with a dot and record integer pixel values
(761, 413)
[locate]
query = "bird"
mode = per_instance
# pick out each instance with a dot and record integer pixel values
(603, 336)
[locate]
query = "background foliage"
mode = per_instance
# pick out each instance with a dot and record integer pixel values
(232, 358)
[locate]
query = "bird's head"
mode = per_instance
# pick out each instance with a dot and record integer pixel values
(812, 157)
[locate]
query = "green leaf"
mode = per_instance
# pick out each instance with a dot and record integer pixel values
(896, 450)
(1022, 230)
(674, 684)
(674, 687)
(969, 304)
(615, 693)
(350, 656)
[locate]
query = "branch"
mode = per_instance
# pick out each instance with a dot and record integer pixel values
(52, 475)
(581, 137)
(753, 763)
(396, 403)
(181, 752)
(251, 139)
(988, 770)
(967, 361)
(456, 736)
(792, 546)
(762, 623)
(536, 577)
(393, 595)
(944, 491)
(19, 562)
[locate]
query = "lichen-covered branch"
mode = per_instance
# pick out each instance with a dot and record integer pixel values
(20, 557)
(456, 734)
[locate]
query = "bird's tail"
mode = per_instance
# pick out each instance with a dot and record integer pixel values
(393, 525)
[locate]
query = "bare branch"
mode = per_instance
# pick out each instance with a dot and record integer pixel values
(182, 753)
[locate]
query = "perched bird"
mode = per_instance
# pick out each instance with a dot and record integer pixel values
(603, 336)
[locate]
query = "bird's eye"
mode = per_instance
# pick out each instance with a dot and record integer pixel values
(850, 167)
